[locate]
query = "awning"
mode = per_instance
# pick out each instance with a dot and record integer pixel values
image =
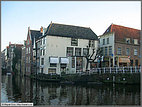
(64, 60)
(124, 60)
(54, 60)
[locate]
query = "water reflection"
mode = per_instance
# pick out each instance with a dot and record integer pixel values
(18, 89)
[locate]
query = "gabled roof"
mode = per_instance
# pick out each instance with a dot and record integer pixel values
(122, 32)
(35, 34)
(71, 31)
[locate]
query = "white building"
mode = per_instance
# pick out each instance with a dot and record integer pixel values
(121, 46)
(63, 46)
(107, 47)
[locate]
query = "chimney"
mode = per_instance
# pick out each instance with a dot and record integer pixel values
(41, 29)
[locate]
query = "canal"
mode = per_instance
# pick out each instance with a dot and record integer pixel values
(23, 90)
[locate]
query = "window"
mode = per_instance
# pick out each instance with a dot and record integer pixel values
(136, 62)
(28, 41)
(51, 70)
(53, 65)
(28, 59)
(103, 41)
(77, 51)
(41, 70)
(128, 40)
(136, 41)
(93, 44)
(127, 51)
(69, 51)
(73, 62)
(131, 62)
(119, 51)
(63, 65)
(110, 50)
(43, 40)
(135, 52)
(105, 50)
(89, 43)
(29, 50)
(42, 61)
(74, 42)
(107, 40)
(102, 51)
(41, 52)
(85, 51)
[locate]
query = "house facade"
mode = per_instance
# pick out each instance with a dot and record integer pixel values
(121, 46)
(23, 59)
(30, 64)
(3, 59)
(63, 48)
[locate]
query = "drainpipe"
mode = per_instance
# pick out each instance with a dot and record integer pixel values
(141, 48)
(36, 58)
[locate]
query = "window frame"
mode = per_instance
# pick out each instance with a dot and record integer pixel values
(85, 51)
(104, 41)
(110, 47)
(70, 52)
(53, 64)
(119, 51)
(127, 52)
(106, 51)
(128, 39)
(108, 40)
(76, 50)
(42, 61)
(74, 42)
(135, 52)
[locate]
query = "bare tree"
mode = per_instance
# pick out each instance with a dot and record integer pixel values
(89, 56)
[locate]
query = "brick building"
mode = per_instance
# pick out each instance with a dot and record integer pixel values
(30, 50)
(121, 46)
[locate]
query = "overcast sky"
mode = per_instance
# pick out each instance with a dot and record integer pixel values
(17, 16)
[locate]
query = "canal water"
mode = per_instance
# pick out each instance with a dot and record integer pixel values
(23, 90)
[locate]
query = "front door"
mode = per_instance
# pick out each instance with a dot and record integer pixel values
(79, 64)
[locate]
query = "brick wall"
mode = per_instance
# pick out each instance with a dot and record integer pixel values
(131, 47)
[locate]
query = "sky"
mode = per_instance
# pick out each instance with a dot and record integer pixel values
(17, 16)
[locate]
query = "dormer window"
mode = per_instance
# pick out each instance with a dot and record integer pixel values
(128, 40)
(74, 42)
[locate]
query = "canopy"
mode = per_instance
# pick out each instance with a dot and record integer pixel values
(54, 60)
(124, 60)
(65, 60)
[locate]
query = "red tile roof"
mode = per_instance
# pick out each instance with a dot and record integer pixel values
(122, 32)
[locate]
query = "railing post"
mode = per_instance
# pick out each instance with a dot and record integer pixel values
(131, 69)
(116, 70)
(99, 71)
(123, 69)
(104, 69)
(135, 69)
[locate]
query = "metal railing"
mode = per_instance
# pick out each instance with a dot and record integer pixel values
(116, 70)
(111, 70)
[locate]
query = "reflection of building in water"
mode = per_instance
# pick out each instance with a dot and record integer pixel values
(9, 86)
(55, 94)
